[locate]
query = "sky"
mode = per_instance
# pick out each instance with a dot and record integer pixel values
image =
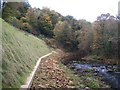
(79, 9)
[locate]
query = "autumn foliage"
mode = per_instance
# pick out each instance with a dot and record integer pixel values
(99, 37)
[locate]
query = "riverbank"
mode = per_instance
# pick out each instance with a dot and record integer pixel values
(52, 73)
(100, 60)
(99, 69)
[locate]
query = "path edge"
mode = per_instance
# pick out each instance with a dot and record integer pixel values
(31, 76)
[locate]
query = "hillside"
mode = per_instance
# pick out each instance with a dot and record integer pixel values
(19, 55)
(85, 52)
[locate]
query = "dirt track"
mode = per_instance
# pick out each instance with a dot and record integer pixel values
(50, 75)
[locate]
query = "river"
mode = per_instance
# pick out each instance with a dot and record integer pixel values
(110, 73)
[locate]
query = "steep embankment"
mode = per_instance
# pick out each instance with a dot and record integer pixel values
(19, 54)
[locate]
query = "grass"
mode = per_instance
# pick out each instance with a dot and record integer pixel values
(70, 73)
(82, 81)
(19, 55)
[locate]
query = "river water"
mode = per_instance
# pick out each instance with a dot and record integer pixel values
(109, 73)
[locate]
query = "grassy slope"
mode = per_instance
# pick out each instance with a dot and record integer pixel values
(19, 55)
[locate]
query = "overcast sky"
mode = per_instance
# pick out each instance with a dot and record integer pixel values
(79, 9)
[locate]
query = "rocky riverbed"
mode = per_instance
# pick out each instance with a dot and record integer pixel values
(108, 73)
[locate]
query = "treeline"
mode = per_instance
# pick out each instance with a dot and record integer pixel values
(99, 38)
(32, 20)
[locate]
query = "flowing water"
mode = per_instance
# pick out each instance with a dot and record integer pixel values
(109, 73)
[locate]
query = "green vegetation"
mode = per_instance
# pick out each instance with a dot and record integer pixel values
(98, 38)
(75, 78)
(20, 54)
(83, 81)
(95, 41)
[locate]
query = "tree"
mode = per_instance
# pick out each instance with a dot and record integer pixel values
(14, 9)
(84, 36)
(105, 35)
(32, 15)
(65, 35)
(26, 27)
(45, 25)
